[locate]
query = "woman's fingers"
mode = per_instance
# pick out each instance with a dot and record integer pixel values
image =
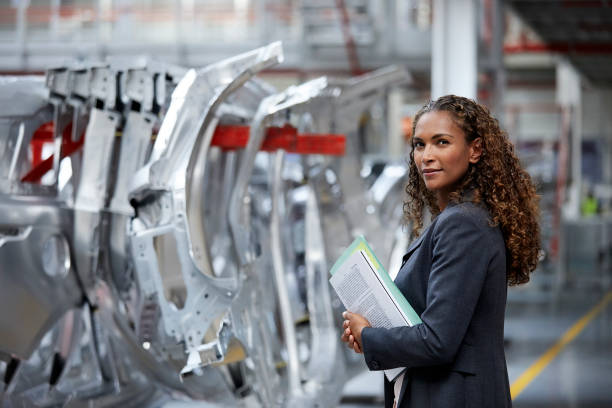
(345, 335)
(354, 344)
(350, 341)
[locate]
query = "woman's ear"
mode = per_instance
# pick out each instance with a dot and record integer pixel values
(475, 150)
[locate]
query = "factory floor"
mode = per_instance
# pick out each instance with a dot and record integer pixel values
(558, 347)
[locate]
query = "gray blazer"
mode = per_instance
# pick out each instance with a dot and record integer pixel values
(454, 276)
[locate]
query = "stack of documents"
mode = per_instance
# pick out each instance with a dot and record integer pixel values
(364, 287)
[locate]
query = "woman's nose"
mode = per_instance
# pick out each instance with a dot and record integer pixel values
(427, 154)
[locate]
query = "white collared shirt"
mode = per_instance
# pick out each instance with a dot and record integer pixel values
(397, 387)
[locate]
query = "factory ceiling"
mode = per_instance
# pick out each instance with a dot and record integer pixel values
(580, 30)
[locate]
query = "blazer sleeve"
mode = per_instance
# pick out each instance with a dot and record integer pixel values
(461, 256)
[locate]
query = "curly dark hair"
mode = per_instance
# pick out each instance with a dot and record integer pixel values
(497, 180)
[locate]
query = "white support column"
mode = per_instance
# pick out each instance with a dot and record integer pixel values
(180, 32)
(569, 95)
(54, 20)
(395, 138)
(390, 28)
(21, 28)
(454, 63)
(263, 20)
(605, 126)
(497, 59)
(104, 27)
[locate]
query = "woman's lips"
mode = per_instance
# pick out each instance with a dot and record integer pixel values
(431, 172)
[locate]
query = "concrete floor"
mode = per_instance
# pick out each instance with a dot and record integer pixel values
(579, 374)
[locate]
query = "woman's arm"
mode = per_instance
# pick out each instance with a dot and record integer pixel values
(462, 251)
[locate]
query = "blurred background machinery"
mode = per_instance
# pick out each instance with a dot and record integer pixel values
(176, 244)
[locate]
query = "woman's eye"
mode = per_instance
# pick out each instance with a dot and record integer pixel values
(443, 142)
(418, 144)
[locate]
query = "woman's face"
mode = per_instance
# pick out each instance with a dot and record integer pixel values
(442, 154)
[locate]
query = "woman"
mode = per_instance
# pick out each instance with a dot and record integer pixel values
(484, 236)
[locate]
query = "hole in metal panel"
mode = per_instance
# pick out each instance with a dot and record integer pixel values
(175, 290)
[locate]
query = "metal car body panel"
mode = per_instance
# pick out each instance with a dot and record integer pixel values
(156, 268)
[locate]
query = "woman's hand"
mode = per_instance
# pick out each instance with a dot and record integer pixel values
(348, 337)
(353, 325)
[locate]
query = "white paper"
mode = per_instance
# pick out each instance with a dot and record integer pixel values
(362, 291)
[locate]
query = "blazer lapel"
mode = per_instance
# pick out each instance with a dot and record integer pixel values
(413, 246)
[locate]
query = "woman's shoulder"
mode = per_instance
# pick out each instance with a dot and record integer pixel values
(468, 218)
(465, 212)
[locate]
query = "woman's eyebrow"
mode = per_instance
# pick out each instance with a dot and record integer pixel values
(436, 136)
(439, 135)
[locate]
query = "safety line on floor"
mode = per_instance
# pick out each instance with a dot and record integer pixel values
(536, 368)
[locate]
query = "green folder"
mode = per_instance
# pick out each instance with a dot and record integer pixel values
(360, 244)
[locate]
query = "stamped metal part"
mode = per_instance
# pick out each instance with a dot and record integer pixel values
(169, 248)
(169, 267)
